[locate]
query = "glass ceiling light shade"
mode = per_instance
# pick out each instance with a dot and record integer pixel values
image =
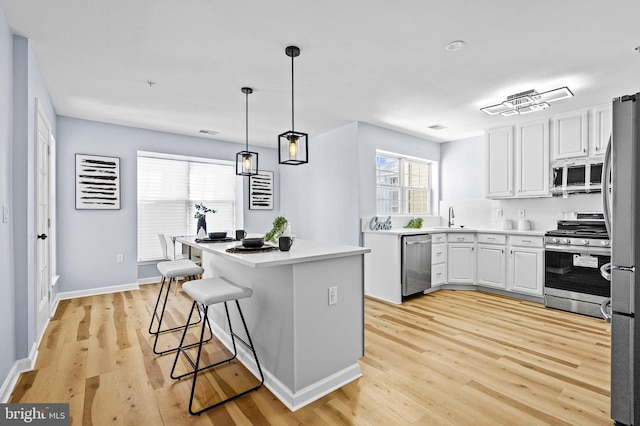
(293, 146)
(247, 161)
(526, 102)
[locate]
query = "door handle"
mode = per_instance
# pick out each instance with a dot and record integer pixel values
(42, 236)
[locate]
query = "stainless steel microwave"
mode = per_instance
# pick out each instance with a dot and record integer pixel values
(576, 176)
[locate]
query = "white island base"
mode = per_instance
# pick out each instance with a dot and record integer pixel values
(306, 347)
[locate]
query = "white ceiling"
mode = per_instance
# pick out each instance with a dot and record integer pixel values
(378, 61)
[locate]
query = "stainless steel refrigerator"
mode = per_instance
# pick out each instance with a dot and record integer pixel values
(622, 211)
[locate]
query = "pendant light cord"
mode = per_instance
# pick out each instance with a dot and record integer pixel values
(247, 120)
(292, 106)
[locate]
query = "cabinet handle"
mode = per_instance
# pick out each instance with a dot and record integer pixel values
(584, 150)
(527, 241)
(460, 239)
(491, 238)
(473, 248)
(502, 251)
(510, 251)
(439, 273)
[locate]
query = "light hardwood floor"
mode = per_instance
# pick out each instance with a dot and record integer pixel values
(449, 358)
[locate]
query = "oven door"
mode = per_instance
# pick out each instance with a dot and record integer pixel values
(573, 281)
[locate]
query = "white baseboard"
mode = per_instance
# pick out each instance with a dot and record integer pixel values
(150, 280)
(19, 367)
(292, 400)
(95, 291)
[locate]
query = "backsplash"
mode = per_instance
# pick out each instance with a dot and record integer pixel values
(541, 212)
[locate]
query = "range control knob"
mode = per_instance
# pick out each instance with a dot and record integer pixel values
(566, 241)
(604, 243)
(584, 242)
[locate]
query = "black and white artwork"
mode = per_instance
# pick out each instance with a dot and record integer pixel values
(261, 191)
(97, 182)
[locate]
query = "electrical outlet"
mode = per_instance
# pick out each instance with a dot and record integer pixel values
(120, 258)
(333, 295)
(5, 214)
(521, 213)
(499, 212)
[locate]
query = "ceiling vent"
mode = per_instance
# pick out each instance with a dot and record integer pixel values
(208, 132)
(437, 127)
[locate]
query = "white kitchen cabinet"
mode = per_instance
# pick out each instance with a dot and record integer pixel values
(601, 130)
(571, 135)
(525, 265)
(438, 260)
(499, 146)
(461, 258)
(532, 159)
(492, 260)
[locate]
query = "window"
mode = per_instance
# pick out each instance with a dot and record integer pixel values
(168, 189)
(403, 185)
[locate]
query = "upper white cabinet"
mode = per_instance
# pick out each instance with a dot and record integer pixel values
(601, 130)
(532, 159)
(582, 133)
(499, 145)
(571, 135)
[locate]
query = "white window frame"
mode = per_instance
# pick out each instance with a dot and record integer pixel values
(238, 181)
(432, 190)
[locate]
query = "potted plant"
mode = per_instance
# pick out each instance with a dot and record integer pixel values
(201, 215)
(279, 227)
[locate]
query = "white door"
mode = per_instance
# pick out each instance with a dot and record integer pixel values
(43, 275)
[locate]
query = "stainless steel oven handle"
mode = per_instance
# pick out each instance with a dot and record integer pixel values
(597, 251)
(605, 312)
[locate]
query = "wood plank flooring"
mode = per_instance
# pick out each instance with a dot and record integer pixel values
(448, 358)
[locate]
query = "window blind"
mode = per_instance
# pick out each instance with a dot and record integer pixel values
(168, 190)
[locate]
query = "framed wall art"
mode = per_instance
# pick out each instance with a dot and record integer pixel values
(261, 191)
(97, 182)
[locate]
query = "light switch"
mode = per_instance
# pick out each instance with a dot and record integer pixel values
(5, 214)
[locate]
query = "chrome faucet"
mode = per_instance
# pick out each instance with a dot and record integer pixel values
(451, 217)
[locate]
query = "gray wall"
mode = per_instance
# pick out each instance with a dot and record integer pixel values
(20, 85)
(89, 240)
(7, 278)
(462, 169)
(325, 199)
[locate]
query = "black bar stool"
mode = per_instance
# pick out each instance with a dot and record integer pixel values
(206, 292)
(171, 270)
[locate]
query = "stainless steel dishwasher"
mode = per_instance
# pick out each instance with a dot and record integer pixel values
(416, 263)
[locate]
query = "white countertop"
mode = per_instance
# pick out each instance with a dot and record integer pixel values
(301, 251)
(439, 230)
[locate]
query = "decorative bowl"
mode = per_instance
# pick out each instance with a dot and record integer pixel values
(253, 242)
(217, 235)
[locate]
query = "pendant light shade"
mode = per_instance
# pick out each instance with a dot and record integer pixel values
(247, 161)
(293, 146)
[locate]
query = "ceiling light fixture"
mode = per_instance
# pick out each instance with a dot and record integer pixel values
(526, 102)
(293, 146)
(247, 161)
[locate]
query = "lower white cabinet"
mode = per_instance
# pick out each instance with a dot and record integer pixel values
(461, 259)
(492, 265)
(438, 263)
(526, 265)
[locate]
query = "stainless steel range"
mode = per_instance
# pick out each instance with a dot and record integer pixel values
(574, 254)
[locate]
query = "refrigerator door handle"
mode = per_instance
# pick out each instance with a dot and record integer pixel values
(623, 268)
(606, 187)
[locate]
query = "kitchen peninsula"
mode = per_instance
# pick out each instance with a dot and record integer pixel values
(307, 347)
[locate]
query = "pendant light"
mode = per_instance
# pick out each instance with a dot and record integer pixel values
(247, 161)
(293, 146)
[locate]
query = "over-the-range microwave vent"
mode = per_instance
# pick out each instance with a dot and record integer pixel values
(575, 177)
